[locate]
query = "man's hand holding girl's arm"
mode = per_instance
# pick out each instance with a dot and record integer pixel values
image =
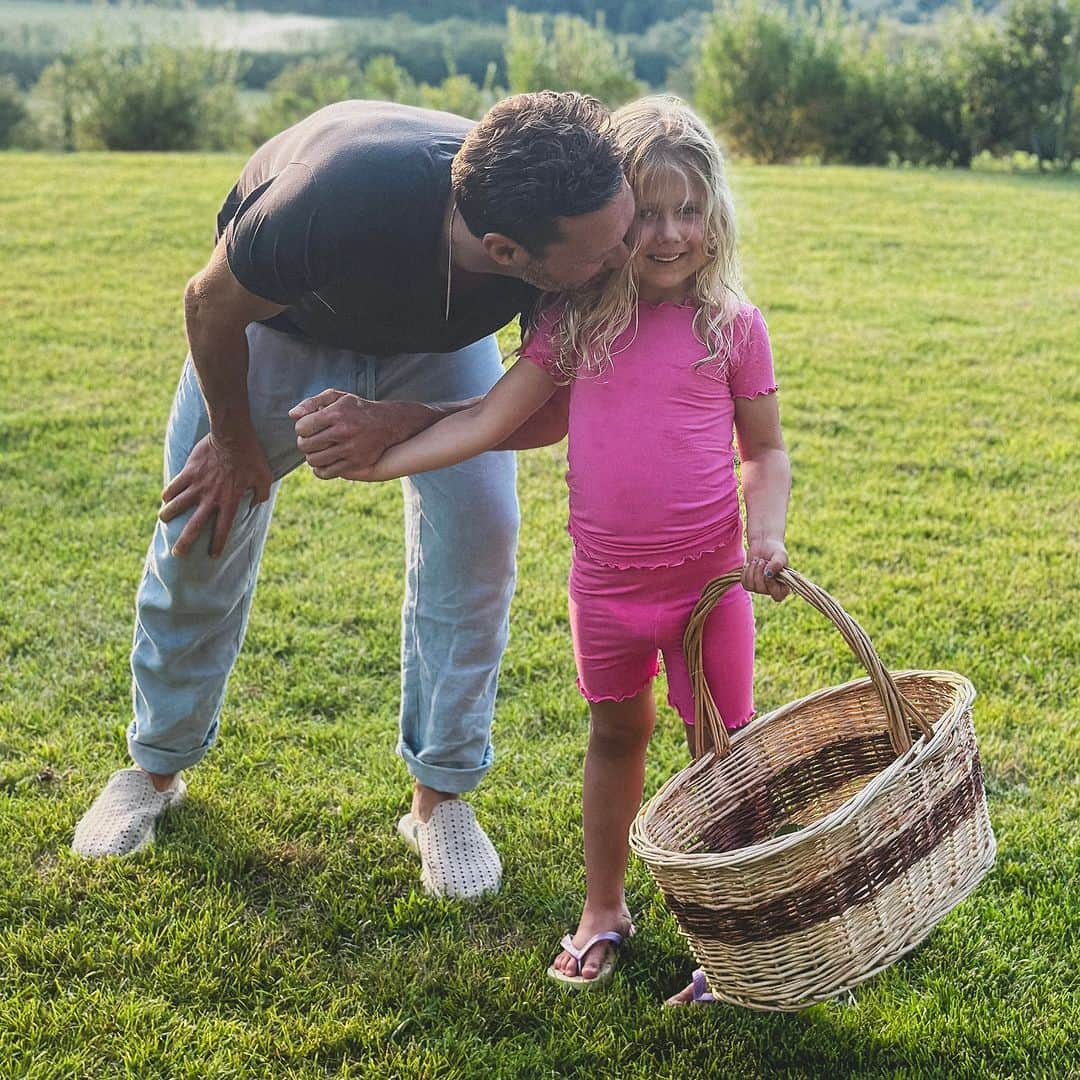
(342, 435)
(484, 425)
(229, 461)
(766, 484)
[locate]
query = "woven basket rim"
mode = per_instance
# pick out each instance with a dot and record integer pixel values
(648, 850)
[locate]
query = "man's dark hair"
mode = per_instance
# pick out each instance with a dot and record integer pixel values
(532, 159)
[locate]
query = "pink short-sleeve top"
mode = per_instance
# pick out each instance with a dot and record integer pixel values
(650, 447)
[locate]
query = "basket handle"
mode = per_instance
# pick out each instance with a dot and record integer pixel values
(707, 720)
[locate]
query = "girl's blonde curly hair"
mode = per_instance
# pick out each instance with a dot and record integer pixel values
(657, 136)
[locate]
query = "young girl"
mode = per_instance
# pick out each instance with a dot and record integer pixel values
(663, 359)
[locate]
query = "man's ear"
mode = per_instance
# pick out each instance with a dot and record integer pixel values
(507, 253)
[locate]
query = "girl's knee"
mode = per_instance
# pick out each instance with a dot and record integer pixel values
(622, 724)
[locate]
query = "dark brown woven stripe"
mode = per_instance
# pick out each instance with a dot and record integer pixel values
(781, 796)
(857, 883)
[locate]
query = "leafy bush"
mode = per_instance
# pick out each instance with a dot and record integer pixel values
(863, 126)
(12, 109)
(948, 92)
(384, 79)
(25, 67)
(1040, 71)
(27, 49)
(148, 97)
(780, 83)
(429, 52)
(937, 123)
(974, 86)
(459, 94)
(568, 53)
(786, 84)
(771, 80)
(303, 88)
(313, 83)
(666, 48)
(1070, 128)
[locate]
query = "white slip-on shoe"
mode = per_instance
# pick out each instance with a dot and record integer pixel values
(457, 858)
(122, 818)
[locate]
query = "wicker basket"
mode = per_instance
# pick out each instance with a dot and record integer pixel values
(824, 840)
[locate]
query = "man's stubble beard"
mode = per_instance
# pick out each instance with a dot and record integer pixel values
(535, 275)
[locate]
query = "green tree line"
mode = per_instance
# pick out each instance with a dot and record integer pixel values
(622, 16)
(778, 84)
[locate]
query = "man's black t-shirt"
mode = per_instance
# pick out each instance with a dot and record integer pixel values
(339, 217)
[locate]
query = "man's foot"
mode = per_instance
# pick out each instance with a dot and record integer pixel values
(588, 958)
(425, 799)
(122, 818)
(457, 858)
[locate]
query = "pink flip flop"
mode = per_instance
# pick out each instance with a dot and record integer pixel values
(607, 968)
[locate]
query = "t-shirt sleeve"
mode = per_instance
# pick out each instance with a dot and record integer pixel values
(537, 347)
(280, 243)
(751, 373)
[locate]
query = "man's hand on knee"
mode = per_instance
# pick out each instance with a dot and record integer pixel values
(214, 479)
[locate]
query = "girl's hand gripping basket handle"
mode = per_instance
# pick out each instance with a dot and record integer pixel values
(707, 721)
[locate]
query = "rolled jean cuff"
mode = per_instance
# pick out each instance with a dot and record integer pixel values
(441, 778)
(154, 759)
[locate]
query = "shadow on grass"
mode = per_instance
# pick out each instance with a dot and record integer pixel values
(327, 917)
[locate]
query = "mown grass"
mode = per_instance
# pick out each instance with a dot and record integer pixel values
(925, 327)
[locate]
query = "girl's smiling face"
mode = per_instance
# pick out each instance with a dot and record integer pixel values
(668, 238)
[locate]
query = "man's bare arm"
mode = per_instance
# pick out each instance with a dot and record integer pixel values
(229, 461)
(217, 312)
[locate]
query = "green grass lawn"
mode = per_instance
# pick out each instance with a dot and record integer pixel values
(926, 332)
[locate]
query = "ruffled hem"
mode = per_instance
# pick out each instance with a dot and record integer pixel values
(774, 388)
(690, 723)
(613, 697)
(652, 564)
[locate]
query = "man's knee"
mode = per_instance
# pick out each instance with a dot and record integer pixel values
(498, 521)
(481, 534)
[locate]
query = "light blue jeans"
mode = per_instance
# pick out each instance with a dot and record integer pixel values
(461, 528)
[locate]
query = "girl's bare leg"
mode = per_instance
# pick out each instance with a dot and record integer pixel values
(614, 776)
(688, 731)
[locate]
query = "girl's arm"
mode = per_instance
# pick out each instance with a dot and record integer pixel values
(546, 426)
(766, 484)
(483, 426)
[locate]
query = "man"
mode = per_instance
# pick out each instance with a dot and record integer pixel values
(363, 261)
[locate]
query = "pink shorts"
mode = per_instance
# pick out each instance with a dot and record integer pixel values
(624, 619)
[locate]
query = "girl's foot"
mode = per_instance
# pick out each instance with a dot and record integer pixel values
(593, 922)
(697, 993)
(683, 997)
